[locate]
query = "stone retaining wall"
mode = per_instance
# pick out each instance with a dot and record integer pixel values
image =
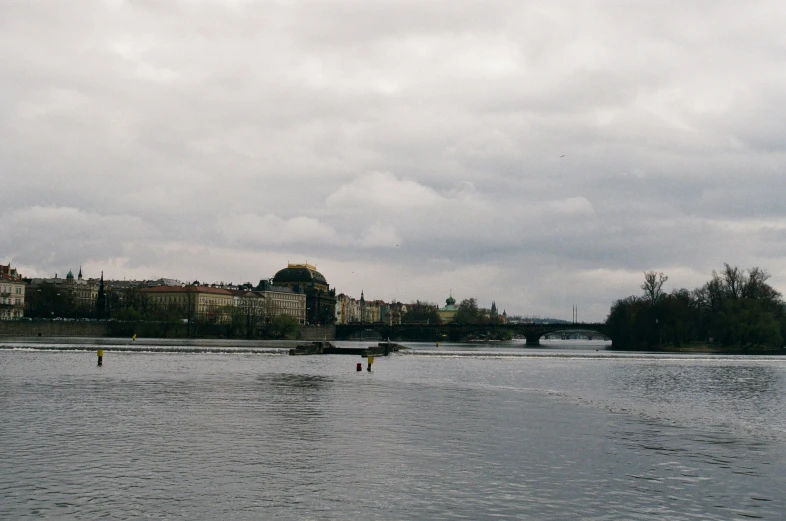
(318, 333)
(66, 328)
(52, 328)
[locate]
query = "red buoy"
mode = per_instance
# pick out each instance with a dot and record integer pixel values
(360, 366)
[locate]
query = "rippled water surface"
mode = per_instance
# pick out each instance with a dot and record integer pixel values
(456, 432)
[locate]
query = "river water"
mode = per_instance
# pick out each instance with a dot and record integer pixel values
(568, 431)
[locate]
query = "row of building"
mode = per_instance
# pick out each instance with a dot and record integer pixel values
(298, 290)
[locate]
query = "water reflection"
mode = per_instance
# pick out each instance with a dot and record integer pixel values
(293, 406)
(731, 394)
(302, 382)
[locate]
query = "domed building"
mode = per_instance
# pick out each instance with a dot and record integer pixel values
(449, 311)
(320, 299)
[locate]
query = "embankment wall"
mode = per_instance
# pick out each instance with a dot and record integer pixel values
(52, 328)
(76, 328)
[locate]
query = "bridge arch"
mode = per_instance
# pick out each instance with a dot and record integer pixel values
(459, 332)
(575, 329)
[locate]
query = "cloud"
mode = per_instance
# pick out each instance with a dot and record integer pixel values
(571, 206)
(271, 230)
(383, 192)
(381, 235)
(52, 239)
(539, 155)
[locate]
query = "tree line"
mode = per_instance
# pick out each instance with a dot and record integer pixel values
(735, 308)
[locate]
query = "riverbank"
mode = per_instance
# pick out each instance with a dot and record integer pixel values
(141, 342)
(708, 348)
(40, 328)
(157, 345)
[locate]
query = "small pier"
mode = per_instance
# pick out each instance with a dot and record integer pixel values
(326, 348)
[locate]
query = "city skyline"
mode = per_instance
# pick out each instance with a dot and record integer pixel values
(228, 284)
(534, 154)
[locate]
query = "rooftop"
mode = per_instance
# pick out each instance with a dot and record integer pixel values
(187, 289)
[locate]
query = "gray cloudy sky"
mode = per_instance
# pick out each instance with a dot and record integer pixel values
(536, 153)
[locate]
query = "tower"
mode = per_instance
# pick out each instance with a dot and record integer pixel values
(101, 299)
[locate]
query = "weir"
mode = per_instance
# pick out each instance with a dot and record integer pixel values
(326, 348)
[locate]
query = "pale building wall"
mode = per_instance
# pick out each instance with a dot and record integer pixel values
(12, 297)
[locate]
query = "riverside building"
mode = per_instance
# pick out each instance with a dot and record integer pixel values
(80, 293)
(203, 303)
(12, 293)
(320, 299)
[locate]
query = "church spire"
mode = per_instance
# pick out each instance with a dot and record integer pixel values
(101, 300)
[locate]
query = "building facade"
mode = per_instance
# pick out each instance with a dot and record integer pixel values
(392, 313)
(72, 295)
(12, 293)
(200, 303)
(320, 299)
(347, 310)
(351, 311)
(268, 301)
(448, 311)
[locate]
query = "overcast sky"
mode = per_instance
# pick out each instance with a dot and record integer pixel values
(538, 154)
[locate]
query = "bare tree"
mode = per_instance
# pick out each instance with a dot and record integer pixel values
(756, 286)
(734, 280)
(653, 286)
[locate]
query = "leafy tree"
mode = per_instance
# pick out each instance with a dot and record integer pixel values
(620, 322)
(747, 323)
(421, 312)
(129, 314)
(469, 313)
(49, 301)
(679, 316)
(284, 326)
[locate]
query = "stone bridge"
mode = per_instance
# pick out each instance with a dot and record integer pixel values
(459, 332)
